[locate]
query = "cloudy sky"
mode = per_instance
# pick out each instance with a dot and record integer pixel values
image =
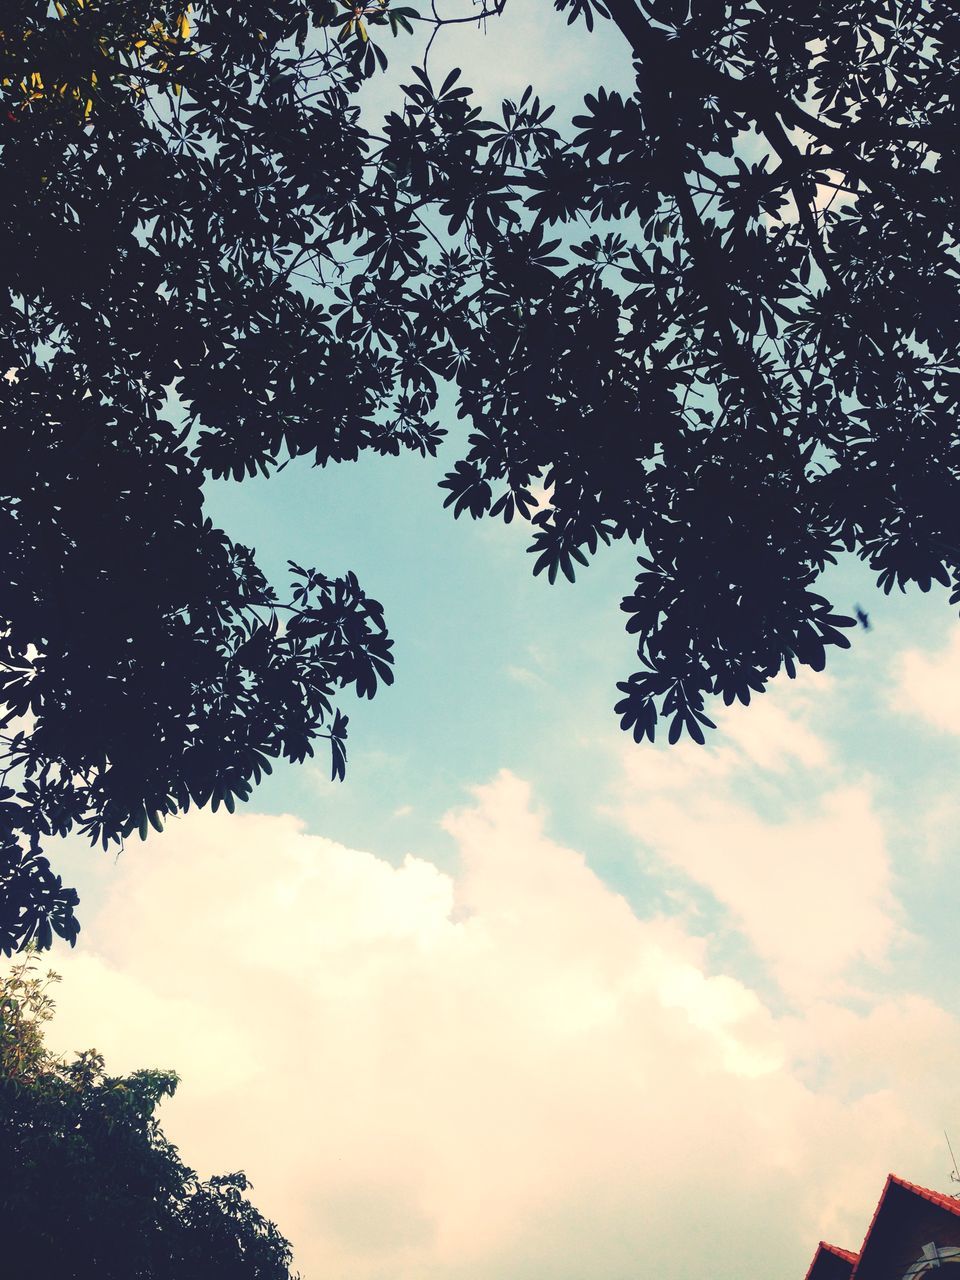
(521, 1000)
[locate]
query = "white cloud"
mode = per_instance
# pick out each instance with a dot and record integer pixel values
(807, 879)
(523, 675)
(503, 1072)
(927, 684)
(811, 890)
(772, 732)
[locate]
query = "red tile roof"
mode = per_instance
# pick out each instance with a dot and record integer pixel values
(832, 1251)
(923, 1193)
(845, 1254)
(935, 1197)
(938, 1198)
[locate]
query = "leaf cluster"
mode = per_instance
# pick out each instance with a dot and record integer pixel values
(751, 362)
(163, 250)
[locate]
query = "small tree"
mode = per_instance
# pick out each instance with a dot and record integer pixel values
(90, 1185)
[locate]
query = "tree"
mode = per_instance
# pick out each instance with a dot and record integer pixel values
(748, 365)
(91, 1186)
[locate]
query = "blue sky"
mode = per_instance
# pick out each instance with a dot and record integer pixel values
(521, 999)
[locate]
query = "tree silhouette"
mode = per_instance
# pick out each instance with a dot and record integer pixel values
(718, 318)
(174, 201)
(752, 363)
(91, 1185)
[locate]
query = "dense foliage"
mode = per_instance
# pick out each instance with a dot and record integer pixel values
(91, 1187)
(168, 198)
(752, 363)
(718, 319)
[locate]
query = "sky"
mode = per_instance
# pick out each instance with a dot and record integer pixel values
(521, 998)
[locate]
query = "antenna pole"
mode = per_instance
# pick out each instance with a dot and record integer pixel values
(955, 1175)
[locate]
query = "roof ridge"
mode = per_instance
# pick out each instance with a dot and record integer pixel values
(834, 1249)
(941, 1198)
(846, 1254)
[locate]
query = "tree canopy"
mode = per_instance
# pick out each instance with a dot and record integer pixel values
(717, 317)
(91, 1186)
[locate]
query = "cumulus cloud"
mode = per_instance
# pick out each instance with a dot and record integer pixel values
(503, 1071)
(926, 684)
(802, 870)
